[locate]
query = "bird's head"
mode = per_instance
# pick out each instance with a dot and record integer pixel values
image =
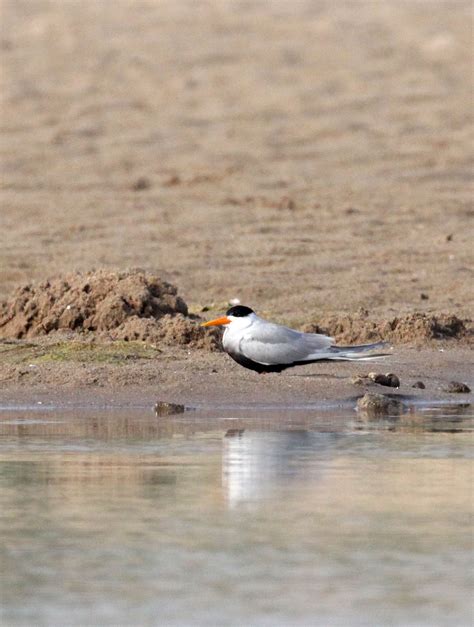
(238, 316)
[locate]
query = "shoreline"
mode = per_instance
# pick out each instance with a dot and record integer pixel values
(199, 378)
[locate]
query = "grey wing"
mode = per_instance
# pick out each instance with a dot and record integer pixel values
(272, 344)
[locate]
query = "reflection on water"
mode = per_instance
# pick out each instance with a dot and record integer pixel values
(255, 466)
(236, 518)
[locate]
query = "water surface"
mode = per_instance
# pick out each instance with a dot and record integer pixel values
(257, 516)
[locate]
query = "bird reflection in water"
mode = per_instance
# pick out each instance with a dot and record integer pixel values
(256, 463)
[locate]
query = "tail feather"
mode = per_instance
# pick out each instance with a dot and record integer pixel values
(358, 353)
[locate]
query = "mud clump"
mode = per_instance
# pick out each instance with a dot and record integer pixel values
(170, 330)
(162, 408)
(389, 379)
(413, 328)
(379, 405)
(141, 184)
(132, 305)
(457, 387)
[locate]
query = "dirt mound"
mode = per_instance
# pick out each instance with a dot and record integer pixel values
(169, 330)
(130, 305)
(412, 328)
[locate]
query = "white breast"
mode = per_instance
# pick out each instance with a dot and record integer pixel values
(238, 329)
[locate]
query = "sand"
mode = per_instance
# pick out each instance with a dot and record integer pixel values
(311, 159)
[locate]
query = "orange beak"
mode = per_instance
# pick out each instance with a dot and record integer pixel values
(216, 322)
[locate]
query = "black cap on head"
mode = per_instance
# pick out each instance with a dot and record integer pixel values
(239, 311)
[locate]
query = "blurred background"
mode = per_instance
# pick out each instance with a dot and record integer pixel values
(301, 156)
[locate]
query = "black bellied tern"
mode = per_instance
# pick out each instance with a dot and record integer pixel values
(264, 346)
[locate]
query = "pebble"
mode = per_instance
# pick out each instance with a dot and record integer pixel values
(286, 203)
(378, 405)
(357, 380)
(456, 387)
(419, 384)
(232, 433)
(168, 409)
(389, 379)
(141, 183)
(172, 181)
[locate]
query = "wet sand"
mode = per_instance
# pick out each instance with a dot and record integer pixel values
(199, 378)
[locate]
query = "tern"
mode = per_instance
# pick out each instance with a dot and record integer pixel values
(264, 346)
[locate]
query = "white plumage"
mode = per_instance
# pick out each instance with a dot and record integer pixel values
(267, 347)
(270, 344)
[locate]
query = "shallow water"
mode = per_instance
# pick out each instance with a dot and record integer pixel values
(257, 516)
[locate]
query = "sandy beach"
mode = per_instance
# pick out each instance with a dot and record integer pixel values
(311, 159)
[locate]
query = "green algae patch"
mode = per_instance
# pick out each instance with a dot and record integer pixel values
(16, 352)
(79, 352)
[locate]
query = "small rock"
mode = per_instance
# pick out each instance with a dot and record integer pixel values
(141, 183)
(389, 379)
(419, 384)
(172, 181)
(168, 409)
(449, 238)
(376, 405)
(357, 380)
(393, 380)
(424, 296)
(232, 433)
(456, 387)
(286, 203)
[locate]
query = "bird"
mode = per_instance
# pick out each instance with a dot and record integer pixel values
(264, 346)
